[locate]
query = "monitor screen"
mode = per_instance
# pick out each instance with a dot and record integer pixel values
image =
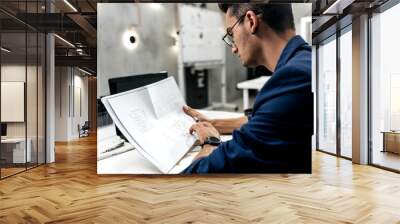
(122, 84)
(3, 129)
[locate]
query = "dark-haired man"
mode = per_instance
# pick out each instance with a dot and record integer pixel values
(276, 138)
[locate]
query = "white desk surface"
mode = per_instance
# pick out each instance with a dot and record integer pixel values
(19, 152)
(257, 83)
(13, 140)
(132, 162)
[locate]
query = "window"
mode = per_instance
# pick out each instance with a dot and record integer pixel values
(385, 89)
(327, 96)
(346, 93)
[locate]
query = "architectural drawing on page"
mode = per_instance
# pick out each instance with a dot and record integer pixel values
(154, 119)
(121, 126)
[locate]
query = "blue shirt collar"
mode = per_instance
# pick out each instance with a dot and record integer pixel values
(290, 48)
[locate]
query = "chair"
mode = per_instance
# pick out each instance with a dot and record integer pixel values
(84, 130)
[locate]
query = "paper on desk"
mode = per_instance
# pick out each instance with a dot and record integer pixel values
(152, 119)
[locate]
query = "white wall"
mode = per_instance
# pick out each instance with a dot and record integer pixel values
(61, 103)
(12, 73)
(79, 117)
(70, 83)
(153, 25)
(302, 19)
(33, 126)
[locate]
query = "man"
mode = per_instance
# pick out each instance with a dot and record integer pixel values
(276, 137)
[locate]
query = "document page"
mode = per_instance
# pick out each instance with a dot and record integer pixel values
(152, 116)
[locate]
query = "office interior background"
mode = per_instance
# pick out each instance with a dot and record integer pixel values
(49, 92)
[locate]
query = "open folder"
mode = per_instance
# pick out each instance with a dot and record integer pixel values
(152, 120)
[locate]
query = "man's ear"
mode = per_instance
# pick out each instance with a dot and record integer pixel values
(253, 21)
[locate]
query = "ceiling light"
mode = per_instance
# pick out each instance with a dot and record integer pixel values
(5, 50)
(70, 5)
(338, 6)
(155, 6)
(84, 71)
(65, 41)
(328, 10)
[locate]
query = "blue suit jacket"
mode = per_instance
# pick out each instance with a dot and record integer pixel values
(277, 138)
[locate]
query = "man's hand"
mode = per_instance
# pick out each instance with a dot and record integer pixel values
(203, 130)
(204, 152)
(197, 116)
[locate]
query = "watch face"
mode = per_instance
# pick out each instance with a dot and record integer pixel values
(213, 140)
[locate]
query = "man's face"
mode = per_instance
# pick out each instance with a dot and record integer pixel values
(244, 46)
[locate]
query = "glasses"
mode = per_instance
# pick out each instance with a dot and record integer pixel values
(228, 37)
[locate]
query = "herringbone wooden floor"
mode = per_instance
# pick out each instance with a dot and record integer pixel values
(70, 191)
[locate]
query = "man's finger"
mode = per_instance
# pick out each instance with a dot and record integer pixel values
(191, 129)
(189, 111)
(186, 110)
(194, 128)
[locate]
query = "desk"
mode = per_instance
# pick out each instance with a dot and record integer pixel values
(132, 162)
(15, 148)
(391, 141)
(256, 84)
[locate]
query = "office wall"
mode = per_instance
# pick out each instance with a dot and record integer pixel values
(71, 102)
(302, 19)
(80, 110)
(155, 50)
(62, 81)
(33, 126)
(15, 72)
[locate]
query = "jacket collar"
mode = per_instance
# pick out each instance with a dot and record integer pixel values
(290, 48)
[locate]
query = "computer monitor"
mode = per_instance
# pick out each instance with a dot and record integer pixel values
(3, 129)
(122, 84)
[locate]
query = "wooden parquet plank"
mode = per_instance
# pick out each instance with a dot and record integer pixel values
(70, 191)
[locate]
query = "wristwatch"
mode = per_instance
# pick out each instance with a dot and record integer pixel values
(211, 140)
